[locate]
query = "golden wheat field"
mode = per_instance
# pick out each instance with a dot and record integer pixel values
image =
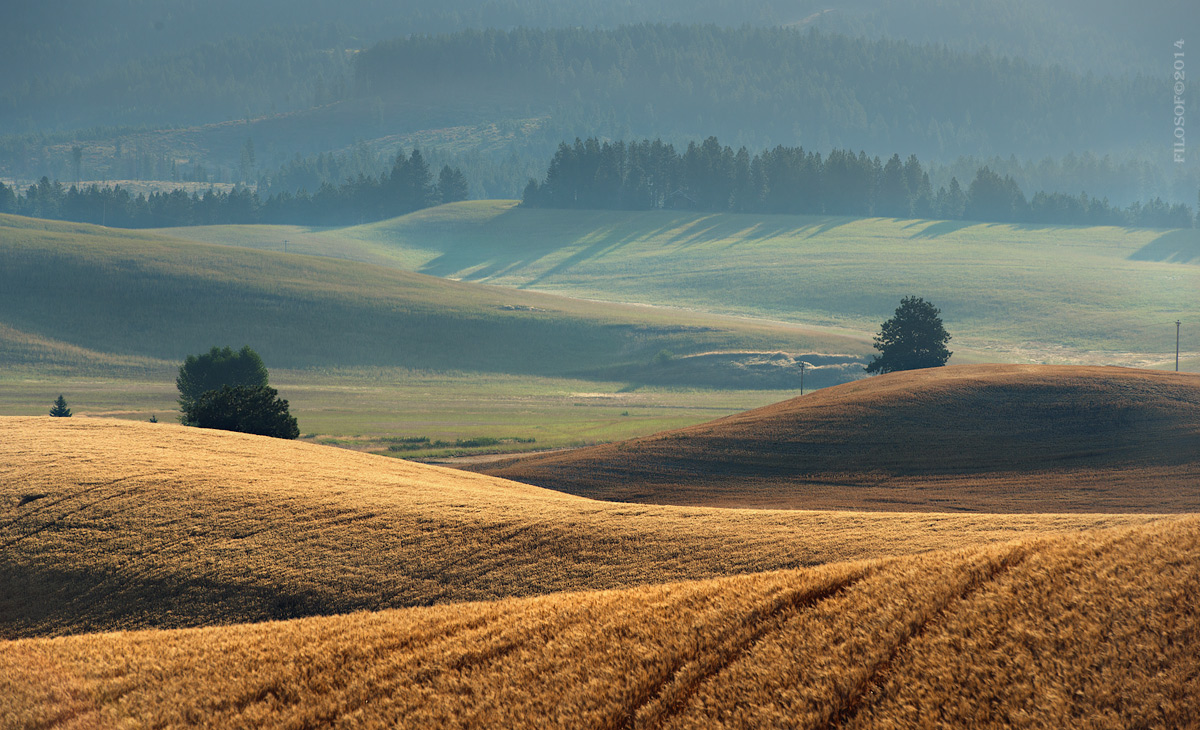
(109, 525)
(983, 438)
(153, 575)
(1098, 629)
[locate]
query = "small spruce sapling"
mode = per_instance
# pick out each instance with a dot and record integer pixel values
(60, 409)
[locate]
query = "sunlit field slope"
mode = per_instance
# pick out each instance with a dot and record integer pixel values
(1067, 294)
(109, 299)
(988, 438)
(109, 524)
(1097, 630)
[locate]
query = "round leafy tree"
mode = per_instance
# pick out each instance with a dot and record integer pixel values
(216, 368)
(913, 339)
(256, 409)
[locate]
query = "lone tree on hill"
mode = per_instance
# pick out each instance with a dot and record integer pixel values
(913, 339)
(214, 369)
(255, 409)
(60, 409)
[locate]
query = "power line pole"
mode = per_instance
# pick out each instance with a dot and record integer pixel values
(1177, 345)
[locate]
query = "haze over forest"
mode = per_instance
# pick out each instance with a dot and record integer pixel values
(1065, 96)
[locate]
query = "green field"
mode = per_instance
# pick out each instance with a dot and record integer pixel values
(1064, 294)
(374, 409)
(119, 294)
(367, 355)
(370, 350)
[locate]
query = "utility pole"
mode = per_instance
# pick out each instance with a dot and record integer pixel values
(1177, 345)
(285, 245)
(802, 364)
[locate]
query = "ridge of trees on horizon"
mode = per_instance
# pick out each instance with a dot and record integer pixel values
(649, 175)
(409, 186)
(749, 85)
(175, 61)
(761, 86)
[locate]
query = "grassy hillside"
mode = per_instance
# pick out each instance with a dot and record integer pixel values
(369, 355)
(1013, 292)
(90, 295)
(1092, 630)
(989, 438)
(108, 525)
(388, 410)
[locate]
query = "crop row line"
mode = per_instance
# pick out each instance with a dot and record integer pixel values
(24, 514)
(59, 518)
(869, 685)
(672, 694)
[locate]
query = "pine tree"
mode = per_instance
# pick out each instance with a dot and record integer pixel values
(452, 185)
(894, 194)
(60, 409)
(411, 185)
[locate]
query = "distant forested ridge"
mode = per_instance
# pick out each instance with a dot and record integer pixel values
(65, 58)
(756, 86)
(711, 177)
(761, 86)
(173, 89)
(409, 186)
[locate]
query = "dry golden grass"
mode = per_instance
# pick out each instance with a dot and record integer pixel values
(983, 438)
(1099, 629)
(109, 525)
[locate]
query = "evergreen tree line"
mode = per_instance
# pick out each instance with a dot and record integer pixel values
(710, 177)
(409, 186)
(232, 78)
(1120, 179)
(490, 176)
(172, 47)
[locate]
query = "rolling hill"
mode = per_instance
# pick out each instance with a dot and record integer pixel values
(112, 525)
(104, 299)
(987, 438)
(1063, 294)
(1098, 629)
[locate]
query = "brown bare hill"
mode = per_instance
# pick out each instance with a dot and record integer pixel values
(987, 438)
(109, 524)
(1097, 630)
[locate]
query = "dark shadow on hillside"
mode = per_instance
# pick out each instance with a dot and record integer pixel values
(479, 259)
(1176, 247)
(942, 228)
(498, 256)
(80, 601)
(593, 251)
(829, 224)
(740, 228)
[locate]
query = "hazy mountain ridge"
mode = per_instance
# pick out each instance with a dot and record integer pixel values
(304, 86)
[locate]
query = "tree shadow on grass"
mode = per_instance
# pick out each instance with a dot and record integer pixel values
(602, 233)
(942, 228)
(509, 251)
(1177, 247)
